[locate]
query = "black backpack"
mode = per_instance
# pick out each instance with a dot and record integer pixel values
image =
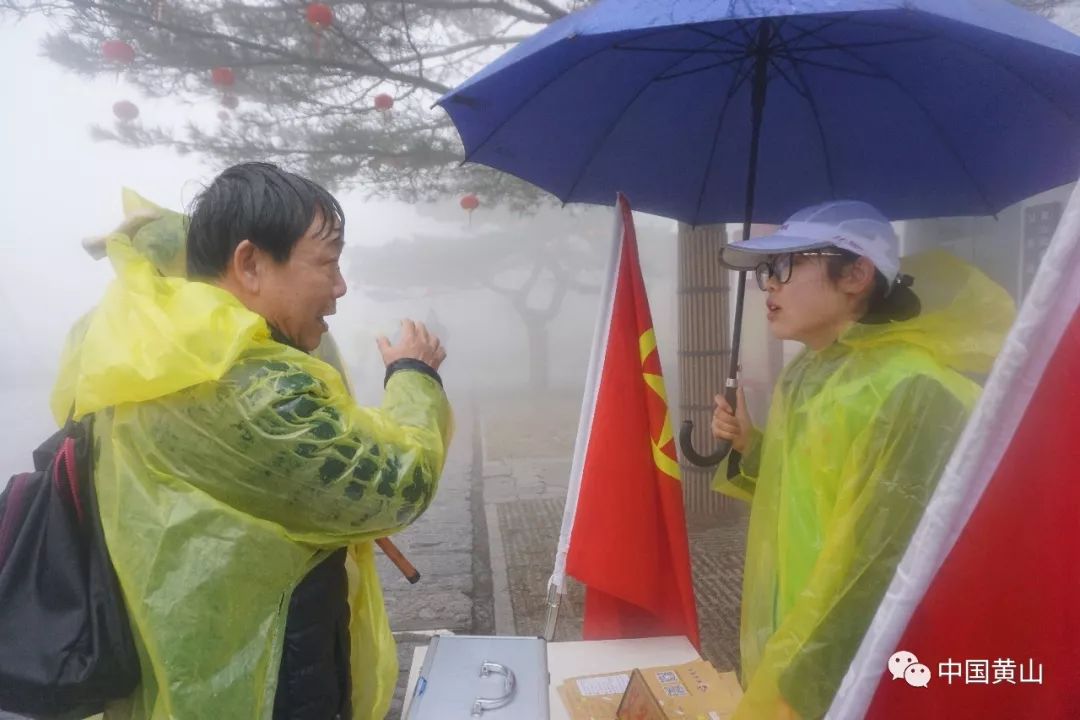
(66, 647)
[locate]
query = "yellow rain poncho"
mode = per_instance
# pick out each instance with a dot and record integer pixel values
(228, 465)
(857, 436)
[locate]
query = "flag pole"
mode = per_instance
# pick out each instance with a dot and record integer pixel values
(557, 583)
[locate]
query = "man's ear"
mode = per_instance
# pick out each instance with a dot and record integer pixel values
(245, 266)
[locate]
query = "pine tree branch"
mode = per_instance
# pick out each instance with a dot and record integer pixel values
(553, 12)
(412, 43)
(288, 58)
(500, 5)
(471, 44)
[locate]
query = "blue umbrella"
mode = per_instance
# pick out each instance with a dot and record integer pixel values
(709, 111)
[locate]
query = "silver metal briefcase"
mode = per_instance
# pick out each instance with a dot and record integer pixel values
(494, 678)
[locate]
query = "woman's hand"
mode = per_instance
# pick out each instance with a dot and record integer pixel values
(733, 425)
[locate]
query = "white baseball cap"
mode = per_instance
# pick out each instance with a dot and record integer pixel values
(847, 224)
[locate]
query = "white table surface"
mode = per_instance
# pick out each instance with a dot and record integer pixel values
(589, 657)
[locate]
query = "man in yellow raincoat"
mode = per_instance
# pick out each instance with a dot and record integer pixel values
(231, 466)
(860, 427)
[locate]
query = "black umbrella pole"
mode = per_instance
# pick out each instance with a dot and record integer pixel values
(731, 386)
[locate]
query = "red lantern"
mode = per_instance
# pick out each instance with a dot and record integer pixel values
(125, 110)
(118, 51)
(230, 101)
(223, 77)
(383, 102)
(470, 202)
(320, 16)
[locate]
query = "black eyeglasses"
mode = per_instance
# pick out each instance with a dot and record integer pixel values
(779, 266)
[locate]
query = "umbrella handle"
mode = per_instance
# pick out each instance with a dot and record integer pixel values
(398, 558)
(686, 438)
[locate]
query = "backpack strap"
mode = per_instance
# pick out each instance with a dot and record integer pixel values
(65, 468)
(66, 475)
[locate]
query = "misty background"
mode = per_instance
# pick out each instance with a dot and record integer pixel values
(62, 186)
(514, 293)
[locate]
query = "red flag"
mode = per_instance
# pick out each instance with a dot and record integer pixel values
(996, 622)
(628, 540)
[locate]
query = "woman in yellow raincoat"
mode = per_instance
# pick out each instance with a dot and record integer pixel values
(860, 427)
(227, 466)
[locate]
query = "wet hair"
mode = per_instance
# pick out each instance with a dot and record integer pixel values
(259, 202)
(884, 304)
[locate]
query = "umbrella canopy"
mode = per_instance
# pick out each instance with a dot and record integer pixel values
(921, 107)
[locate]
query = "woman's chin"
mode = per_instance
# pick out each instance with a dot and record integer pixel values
(778, 331)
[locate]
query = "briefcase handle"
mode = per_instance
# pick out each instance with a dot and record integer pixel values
(509, 687)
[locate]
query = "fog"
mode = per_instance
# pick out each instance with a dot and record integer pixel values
(62, 186)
